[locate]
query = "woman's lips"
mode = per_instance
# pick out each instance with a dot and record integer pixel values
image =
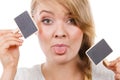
(60, 48)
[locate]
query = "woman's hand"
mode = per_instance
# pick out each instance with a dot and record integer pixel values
(9, 50)
(114, 66)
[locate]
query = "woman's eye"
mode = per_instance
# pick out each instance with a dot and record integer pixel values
(47, 21)
(71, 21)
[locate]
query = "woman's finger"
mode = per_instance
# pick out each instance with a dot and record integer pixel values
(6, 42)
(117, 76)
(4, 32)
(12, 43)
(16, 30)
(106, 63)
(110, 65)
(8, 35)
(118, 67)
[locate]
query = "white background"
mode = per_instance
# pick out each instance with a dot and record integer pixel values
(106, 14)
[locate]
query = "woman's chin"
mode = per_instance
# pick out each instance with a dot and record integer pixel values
(60, 59)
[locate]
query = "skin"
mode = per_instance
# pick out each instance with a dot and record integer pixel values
(53, 29)
(9, 52)
(114, 66)
(59, 30)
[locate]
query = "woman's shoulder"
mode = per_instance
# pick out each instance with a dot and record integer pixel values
(33, 73)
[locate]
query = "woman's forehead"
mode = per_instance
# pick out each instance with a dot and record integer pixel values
(52, 6)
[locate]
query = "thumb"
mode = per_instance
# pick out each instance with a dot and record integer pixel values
(110, 65)
(106, 63)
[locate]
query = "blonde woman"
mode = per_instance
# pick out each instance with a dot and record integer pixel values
(66, 31)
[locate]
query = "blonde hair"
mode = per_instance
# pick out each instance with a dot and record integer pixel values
(80, 10)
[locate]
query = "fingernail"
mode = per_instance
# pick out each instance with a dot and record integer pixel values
(15, 31)
(21, 40)
(20, 44)
(106, 62)
(20, 35)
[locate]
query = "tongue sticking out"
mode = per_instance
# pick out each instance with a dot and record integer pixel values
(60, 50)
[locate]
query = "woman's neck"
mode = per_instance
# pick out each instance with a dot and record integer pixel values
(68, 71)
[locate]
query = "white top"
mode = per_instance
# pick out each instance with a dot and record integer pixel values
(34, 73)
(99, 72)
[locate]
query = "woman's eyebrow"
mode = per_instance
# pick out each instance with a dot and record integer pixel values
(46, 12)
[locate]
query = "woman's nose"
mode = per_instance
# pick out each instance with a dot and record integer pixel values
(60, 32)
(60, 36)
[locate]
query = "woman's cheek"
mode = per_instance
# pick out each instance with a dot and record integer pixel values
(43, 36)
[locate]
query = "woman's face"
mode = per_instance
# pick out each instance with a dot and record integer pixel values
(60, 38)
